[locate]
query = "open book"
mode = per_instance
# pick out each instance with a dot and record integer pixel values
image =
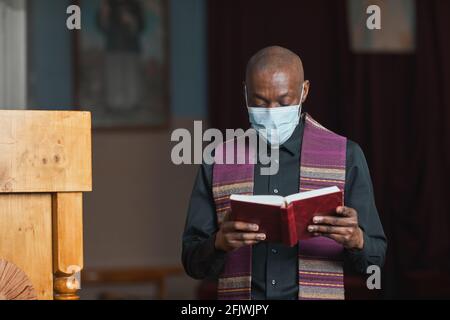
(285, 219)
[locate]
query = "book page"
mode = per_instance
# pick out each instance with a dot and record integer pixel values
(311, 194)
(268, 200)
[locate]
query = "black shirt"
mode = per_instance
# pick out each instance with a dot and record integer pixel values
(275, 265)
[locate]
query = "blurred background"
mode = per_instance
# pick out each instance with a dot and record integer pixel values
(146, 67)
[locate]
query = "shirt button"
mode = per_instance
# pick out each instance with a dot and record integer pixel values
(274, 282)
(275, 190)
(274, 251)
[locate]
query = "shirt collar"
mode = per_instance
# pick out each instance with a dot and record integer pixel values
(293, 144)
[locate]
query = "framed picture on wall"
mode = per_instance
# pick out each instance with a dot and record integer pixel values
(122, 63)
(397, 34)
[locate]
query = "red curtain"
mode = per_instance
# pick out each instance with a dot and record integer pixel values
(396, 106)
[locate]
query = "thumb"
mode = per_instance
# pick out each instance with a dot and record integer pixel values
(227, 216)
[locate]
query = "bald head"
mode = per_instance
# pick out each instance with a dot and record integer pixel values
(274, 77)
(273, 59)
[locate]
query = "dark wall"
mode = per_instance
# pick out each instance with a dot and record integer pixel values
(396, 106)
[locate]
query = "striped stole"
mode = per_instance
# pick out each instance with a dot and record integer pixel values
(320, 263)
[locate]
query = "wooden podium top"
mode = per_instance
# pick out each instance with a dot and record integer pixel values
(45, 151)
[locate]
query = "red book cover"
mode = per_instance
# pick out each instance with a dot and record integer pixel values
(286, 219)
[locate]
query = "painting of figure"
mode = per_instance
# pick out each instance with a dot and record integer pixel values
(122, 54)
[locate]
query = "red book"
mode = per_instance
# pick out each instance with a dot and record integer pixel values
(286, 219)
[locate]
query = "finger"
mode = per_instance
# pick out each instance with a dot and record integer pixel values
(242, 236)
(238, 244)
(334, 221)
(336, 237)
(240, 226)
(226, 217)
(328, 229)
(346, 211)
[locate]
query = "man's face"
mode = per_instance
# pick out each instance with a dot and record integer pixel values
(272, 89)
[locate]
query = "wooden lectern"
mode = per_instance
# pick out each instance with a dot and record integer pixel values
(45, 165)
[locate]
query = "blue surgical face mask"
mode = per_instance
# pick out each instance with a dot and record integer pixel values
(275, 125)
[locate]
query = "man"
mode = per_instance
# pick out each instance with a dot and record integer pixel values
(310, 157)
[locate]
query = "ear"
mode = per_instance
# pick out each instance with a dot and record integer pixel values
(245, 92)
(306, 86)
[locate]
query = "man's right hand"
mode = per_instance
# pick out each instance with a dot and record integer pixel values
(234, 234)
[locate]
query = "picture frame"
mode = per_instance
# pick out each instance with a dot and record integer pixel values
(121, 63)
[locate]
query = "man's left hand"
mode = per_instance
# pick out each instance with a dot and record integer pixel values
(343, 228)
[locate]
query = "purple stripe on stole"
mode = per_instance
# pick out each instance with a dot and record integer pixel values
(232, 173)
(240, 257)
(316, 278)
(320, 247)
(229, 174)
(321, 147)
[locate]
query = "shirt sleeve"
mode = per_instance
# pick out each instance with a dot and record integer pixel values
(359, 196)
(199, 256)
